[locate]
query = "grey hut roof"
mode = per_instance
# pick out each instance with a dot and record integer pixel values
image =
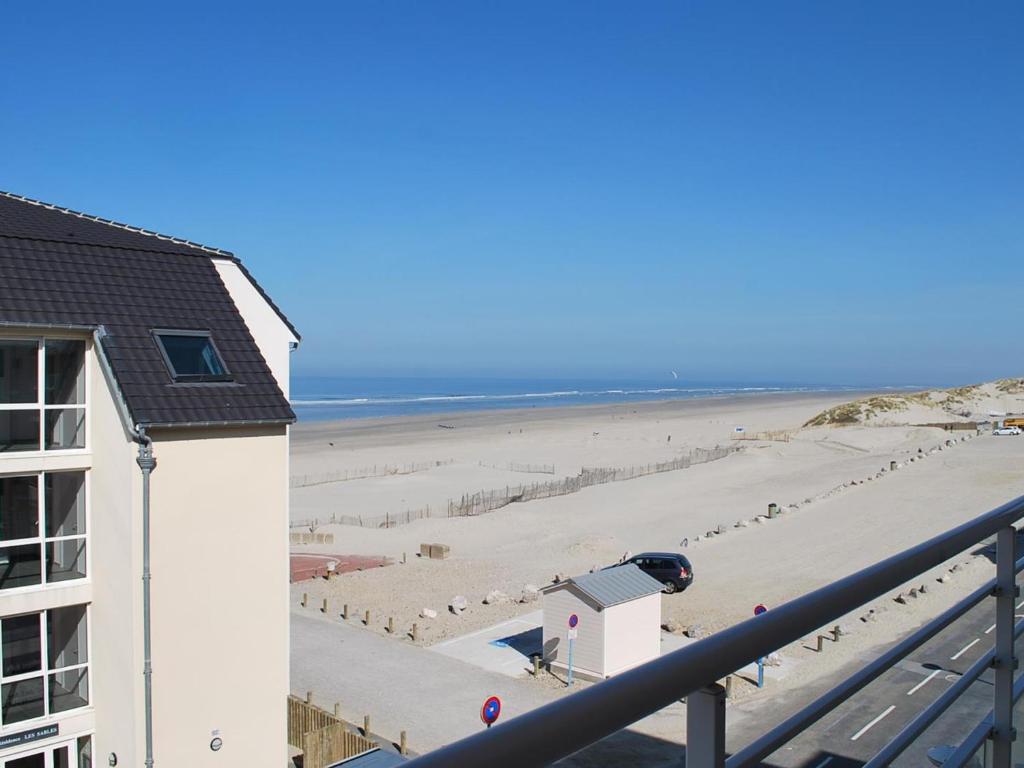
(613, 585)
(61, 268)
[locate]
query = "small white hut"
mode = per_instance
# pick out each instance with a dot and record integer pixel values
(618, 626)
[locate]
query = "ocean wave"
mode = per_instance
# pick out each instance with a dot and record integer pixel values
(410, 400)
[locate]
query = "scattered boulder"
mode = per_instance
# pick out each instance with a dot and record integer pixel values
(912, 593)
(595, 568)
(709, 534)
(495, 597)
(673, 626)
(869, 616)
(696, 631)
(530, 594)
(741, 524)
(773, 660)
(559, 578)
(901, 599)
(721, 530)
(428, 613)
(923, 589)
(944, 579)
(458, 604)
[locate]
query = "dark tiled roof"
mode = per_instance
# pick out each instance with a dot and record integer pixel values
(59, 268)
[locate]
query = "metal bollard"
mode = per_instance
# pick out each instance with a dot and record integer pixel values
(536, 666)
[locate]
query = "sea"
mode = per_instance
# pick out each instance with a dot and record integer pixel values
(323, 398)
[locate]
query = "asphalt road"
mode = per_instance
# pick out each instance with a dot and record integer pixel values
(854, 732)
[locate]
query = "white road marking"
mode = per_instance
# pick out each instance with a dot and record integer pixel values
(920, 685)
(873, 723)
(1020, 603)
(964, 650)
(990, 629)
(824, 762)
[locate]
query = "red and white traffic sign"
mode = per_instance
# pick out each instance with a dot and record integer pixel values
(759, 609)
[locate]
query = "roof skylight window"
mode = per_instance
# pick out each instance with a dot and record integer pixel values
(191, 356)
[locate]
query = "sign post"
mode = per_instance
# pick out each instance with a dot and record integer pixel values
(758, 610)
(490, 711)
(574, 621)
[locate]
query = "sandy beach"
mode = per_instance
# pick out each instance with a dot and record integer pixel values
(812, 475)
(844, 508)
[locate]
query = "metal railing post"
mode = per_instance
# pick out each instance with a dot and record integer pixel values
(705, 727)
(1005, 663)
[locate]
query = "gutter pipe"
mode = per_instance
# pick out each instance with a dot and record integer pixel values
(147, 463)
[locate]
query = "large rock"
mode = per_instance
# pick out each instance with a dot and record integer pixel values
(673, 626)
(458, 604)
(496, 597)
(773, 660)
(530, 594)
(428, 613)
(696, 631)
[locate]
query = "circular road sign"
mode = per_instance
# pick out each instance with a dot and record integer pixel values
(759, 609)
(490, 710)
(573, 621)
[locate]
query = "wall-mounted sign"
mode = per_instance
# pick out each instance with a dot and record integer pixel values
(24, 737)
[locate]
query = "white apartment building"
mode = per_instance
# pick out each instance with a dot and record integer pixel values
(143, 432)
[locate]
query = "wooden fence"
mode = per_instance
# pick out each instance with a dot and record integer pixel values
(780, 436)
(481, 502)
(323, 738)
(532, 469)
(381, 470)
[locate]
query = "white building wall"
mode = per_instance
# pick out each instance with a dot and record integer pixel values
(270, 332)
(220, 596)
(632, 633)
(588, 649)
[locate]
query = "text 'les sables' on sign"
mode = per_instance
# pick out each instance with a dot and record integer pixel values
(23, 737)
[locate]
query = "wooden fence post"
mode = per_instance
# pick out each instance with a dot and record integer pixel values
(403, 747)
(366, 621)
(305, 599)
(366, 725)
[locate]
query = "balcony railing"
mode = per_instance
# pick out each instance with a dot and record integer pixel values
(557, 730)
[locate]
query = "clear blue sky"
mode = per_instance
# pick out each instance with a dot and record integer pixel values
(821, 192)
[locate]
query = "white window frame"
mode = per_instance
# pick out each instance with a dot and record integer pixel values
(42, 407)
(43, 541)
(44, 672)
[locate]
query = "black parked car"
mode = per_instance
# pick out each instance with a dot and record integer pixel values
(670, 568)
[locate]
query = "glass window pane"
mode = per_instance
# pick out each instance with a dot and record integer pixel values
(65, 380)
(85, 752)
(65, 503)
(22, 645)
(65, 560)
(20, 566)
(65, 428)
(19, 431)
(66, 637)
(69, 689)
(37, 760)
(19, 372)
(191, 356)
(61, 757)
(22, 700)
(19, 507)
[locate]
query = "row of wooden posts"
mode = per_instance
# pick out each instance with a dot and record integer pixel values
(403, 740)
(413, 633)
